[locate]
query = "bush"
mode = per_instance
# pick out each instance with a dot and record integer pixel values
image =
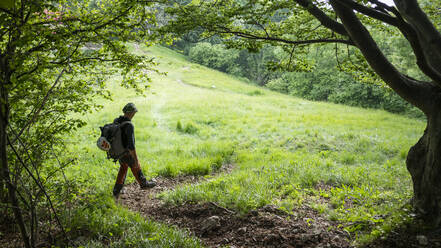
(279, 85)
(216, 57)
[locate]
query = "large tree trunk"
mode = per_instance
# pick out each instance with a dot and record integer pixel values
(4, 166)
(424, 165)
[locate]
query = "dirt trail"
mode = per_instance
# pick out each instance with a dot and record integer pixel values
(221, 227)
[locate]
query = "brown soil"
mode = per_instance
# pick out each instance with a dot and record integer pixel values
(217, 226)
(220, 227)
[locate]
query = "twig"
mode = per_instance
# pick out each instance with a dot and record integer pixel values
(39, 185)
(226, 210)
(43, 103)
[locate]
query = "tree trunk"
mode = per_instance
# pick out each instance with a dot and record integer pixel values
(3, 192)
(424, 164)
(4, 166)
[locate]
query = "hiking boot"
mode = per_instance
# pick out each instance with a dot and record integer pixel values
(148, 184)
(117, 190)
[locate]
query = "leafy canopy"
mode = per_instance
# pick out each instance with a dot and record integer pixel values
(57, 55)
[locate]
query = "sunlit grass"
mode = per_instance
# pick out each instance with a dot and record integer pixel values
(195, 119)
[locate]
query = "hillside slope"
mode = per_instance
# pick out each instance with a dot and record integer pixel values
(346, 163)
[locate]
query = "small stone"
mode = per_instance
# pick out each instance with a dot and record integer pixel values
(317, 232)
(422, 240)
(211, 223)
(242, 230)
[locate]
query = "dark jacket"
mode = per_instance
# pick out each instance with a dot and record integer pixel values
(127, 133)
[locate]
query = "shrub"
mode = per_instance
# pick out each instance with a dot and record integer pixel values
(216, 57)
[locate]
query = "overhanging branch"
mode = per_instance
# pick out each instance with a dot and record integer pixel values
(282, 40)
(408, 31)
(322, 17)
(411, 90)
(373, 13)
(427, 33)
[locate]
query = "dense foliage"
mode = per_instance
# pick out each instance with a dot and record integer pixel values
(240, 63)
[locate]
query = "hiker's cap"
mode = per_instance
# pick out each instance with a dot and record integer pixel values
(130, 108)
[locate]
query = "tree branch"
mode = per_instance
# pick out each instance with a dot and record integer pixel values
(38, 184)
(427, 34)
(71, 54)
(86, 59)
(409, 33)
(255, 37)
(324, 19)
(414, 15)
(411, 90)
(421, 58)
(43, 103)
(104, 24)
(373, 13)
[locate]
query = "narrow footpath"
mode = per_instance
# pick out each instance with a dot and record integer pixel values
(217, 226)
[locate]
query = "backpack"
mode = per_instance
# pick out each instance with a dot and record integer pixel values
(111, 140)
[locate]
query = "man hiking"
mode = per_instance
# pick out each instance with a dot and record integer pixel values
(129, 159)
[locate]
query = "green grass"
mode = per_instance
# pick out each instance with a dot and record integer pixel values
(100, 223)
(195, 119)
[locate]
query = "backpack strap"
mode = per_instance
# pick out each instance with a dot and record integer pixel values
(124, 123)
(121, 125)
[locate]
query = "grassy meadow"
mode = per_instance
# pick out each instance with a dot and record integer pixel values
(347, 163)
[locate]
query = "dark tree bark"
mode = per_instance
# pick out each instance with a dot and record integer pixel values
(4, 165)
(424, 164)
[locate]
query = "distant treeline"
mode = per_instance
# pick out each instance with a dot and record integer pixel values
(323, 83)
